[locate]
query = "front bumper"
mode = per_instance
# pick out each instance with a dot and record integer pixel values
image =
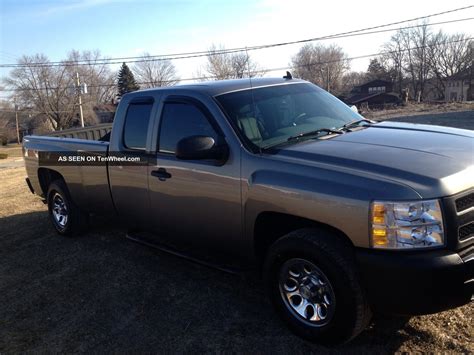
(413, 283)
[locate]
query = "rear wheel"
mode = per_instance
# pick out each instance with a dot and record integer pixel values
(312, 281)
(65, 216)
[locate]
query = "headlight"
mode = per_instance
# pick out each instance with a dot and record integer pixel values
(405, 225)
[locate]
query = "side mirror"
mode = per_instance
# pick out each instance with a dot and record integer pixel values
(201, 148)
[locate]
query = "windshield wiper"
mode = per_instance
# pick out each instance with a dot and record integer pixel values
(314, 133)
(296, 138)
(356, 122)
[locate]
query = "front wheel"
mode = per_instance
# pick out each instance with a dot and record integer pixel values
(312, 281)
(306, 292)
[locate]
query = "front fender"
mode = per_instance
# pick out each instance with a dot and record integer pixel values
(335, 198)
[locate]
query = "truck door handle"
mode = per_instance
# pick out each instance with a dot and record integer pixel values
(161, 174)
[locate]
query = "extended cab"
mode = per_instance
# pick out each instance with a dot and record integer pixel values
(343, 215)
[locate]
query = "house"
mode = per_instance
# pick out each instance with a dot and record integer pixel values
(375, 93)
(105, 112)
(459, 86)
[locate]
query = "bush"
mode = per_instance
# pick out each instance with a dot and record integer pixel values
(3, 156)
(4, 140)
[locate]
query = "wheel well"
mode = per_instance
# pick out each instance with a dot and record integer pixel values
(270, 226)
(46, 177)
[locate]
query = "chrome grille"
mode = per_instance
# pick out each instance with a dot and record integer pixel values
(465, 202)
(466, 231)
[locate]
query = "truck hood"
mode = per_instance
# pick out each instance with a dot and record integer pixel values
(435, 161)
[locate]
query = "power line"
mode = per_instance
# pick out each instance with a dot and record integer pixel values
(35, 111)
(187, 55)
(307, 65)
(217, 52)
(324, 37)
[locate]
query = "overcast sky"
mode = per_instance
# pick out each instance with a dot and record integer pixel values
(121, 28)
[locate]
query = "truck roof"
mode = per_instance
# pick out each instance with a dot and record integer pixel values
(218, 87)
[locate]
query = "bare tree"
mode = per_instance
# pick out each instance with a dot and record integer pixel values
(351, 80)
(47, 89)
(44, 89)
(222, 65)
(417, 56)
(448, 55)
(393, 59)
(7, 116)
(321, 65)
(155, 72)
(406, 56)
(416, 41)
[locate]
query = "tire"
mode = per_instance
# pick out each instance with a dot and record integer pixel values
(311, 278)
(66, 217)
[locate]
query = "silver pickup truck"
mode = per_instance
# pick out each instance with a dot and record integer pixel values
(342, 215)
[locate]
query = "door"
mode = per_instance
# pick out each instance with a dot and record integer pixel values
(195, 205)
(129, 181)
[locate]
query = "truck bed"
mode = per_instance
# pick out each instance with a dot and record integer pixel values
(96, 132)
(88, 185)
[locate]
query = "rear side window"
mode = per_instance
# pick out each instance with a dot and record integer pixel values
(181, 120)
(136, 125)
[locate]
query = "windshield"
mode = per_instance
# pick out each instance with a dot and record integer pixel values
(270, 115)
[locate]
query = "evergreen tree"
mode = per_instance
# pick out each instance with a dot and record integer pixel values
(376, 71)
(126, 81)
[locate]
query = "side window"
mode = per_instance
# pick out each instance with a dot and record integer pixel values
(136, 125)
(181, 120)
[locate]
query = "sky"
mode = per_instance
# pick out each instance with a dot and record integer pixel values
(123, 28)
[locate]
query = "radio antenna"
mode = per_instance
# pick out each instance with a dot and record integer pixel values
(254, 106)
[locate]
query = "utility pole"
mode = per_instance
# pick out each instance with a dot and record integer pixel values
(327, 77)
(470, 94)
(327, 70)
(17, 125)
(79, 95)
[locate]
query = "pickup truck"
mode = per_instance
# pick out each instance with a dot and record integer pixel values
(341, 215)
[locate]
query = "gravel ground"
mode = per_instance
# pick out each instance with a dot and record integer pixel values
(103, 293)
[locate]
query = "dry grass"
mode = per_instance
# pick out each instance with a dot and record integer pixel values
(101, 293)
(15, 197)
(12, 150)
(10, 154)
(413, 109)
